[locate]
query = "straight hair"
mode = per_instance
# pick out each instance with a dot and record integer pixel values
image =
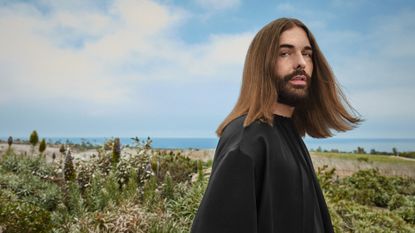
(325, 108)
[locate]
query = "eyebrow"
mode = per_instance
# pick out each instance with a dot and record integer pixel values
(290, 46)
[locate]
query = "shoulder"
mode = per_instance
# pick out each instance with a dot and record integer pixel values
(236, 127)
(251, 140)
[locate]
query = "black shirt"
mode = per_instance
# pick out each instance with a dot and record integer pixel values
(262, 181)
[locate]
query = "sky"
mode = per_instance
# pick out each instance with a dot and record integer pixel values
(173, 68)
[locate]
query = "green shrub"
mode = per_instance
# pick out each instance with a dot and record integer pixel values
(68, 168)
(183, 206)
(73, 200)
(94, 194)
(122, 173)
(359, 218)
(10, 141)
(151, 193)
(42, 146)
(18, 216)
(397, 200)
(104, 162)
(354, 201)
(407, 213)
(31, 188)
(85, 172)
(180, 168)
(34, 138)
(368, 187)
(410, 154)
(116, 151)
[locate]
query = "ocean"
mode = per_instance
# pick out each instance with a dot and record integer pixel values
(341, 144)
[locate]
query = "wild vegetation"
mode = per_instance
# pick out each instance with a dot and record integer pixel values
(159, 192)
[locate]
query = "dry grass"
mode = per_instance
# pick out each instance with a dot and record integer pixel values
(348, 163)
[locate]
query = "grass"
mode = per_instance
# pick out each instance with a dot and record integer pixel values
(367, 157)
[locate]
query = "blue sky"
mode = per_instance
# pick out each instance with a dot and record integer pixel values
(173, 68)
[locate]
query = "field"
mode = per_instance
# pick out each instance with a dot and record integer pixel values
(139, 189)
(348, 163)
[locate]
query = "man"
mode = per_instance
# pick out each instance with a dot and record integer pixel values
(262, 177)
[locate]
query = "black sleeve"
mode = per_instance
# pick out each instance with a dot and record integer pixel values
(229, 204)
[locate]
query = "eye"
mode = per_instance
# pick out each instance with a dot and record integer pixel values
(284, 54)
(308, 54)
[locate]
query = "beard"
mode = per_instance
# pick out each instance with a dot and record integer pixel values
(290, 94)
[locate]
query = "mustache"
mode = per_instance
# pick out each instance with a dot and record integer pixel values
(295, 73)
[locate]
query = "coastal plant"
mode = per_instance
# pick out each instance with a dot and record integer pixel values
(410, 154)
(85, 174)
(116, 151)
(167, 187)
(62, 149)
(104, 162)
(180, 168)
(33, 139)
(200, 171)
(72, 198)
(31, 188)
(122, 173)
(368, 187)
(407, 212)
(356, 203)
(42, 146)
(126, 217)
(151, 193)
(19, 216)
(110, 190)
(361, 218)
(185, 201)
(102, 190)
(10, 161)
(10, 141)
(68, 168)
(27, 165)
(108, 144)
(142, 144)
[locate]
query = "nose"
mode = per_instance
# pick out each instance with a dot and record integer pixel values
(300, 62)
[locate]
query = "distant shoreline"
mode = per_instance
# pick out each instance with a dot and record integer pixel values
(344, 163)
(331, 144)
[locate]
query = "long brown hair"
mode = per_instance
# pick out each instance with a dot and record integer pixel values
(325, 109)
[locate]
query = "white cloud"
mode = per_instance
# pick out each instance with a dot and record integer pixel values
(103, 58)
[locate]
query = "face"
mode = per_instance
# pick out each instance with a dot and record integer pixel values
(294, 66)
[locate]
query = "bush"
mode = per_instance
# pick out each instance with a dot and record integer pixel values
(42, 146)
(34, 138)
(369, 202)
(68, 168)
(360, 218)
(179, 167)
(116, 151)
(368, 187)
(27, 178)
(18, 216)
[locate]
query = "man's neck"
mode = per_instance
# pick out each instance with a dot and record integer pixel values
(282, 109)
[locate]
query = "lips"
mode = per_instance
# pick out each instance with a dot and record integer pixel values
(299, 80)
